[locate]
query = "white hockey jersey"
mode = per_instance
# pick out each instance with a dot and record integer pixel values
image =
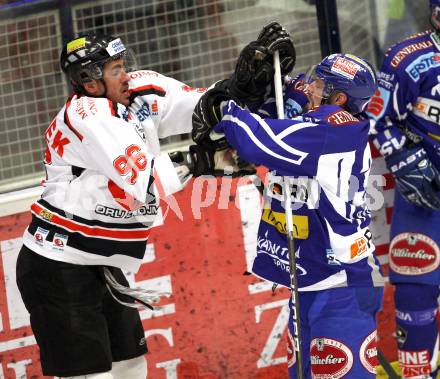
(105, 171)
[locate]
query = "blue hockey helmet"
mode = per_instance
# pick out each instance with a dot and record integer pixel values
(345, 73)
(434, 3)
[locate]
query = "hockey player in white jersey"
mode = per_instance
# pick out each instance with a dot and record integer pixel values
(105, 174)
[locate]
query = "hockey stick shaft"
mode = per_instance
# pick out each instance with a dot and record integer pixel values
(290, 235)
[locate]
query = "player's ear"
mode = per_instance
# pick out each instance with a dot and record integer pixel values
(340, 99)
(94, 88)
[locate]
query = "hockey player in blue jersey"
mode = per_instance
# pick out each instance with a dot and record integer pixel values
(326, 156)
(406, 112)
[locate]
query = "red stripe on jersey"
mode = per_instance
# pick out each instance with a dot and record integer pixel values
(148, 87)
(389, 181)
(382, 249)
(112, 108)
(374, 152)
(67, 121)
(89, 231)
(389, 214)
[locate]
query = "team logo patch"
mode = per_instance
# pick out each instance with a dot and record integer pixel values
(291, 356)
(413, 254)
(414, 363)
(345, 67)
(368, 352)
(59, 242)
(330, 358)
(40, 236)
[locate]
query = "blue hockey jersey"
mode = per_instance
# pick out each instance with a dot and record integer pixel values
(326, 157)
(407, 102)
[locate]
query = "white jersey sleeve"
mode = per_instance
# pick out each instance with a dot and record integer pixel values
(115, 148)
(169, 102)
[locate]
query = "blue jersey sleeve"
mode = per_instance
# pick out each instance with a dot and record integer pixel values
(290, 147)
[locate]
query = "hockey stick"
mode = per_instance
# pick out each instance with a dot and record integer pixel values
(389, 370)
(290, 236)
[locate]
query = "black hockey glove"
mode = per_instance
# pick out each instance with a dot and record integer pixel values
(274, 37)
(207, 113)
(225, 162)
(254, 70)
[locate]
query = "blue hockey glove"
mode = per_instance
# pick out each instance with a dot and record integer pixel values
(416, 178)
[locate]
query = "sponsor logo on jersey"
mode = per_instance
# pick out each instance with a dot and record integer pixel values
(154, 108)
(406, 51)
(385, 80)
(428, 109)
(278, 220)
(59, 242)
(341, 118)
(278, 253)
(422, 64)
(143, 112)
(413, 254)
(361, 245)
(150, 210)
(414, 363)
(143, 74)
(331, 258)
(378, 103)
(417, 317)
(76, 44)
(368, 352)
(345, 67)
(330, 358)
(292, 108)
(115, 47)
(40, 236)
(291, 356)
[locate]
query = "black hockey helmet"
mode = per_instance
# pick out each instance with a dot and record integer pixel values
(83, 58)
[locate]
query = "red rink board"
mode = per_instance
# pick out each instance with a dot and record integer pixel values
(215, 324)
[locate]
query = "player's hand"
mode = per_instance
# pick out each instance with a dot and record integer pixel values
(254, 71)
(416, 178)
(208, 113)
(218, 163)
(274, 37)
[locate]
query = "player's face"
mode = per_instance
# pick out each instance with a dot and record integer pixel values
(314, 91)
(116, 81)
(435, 17)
